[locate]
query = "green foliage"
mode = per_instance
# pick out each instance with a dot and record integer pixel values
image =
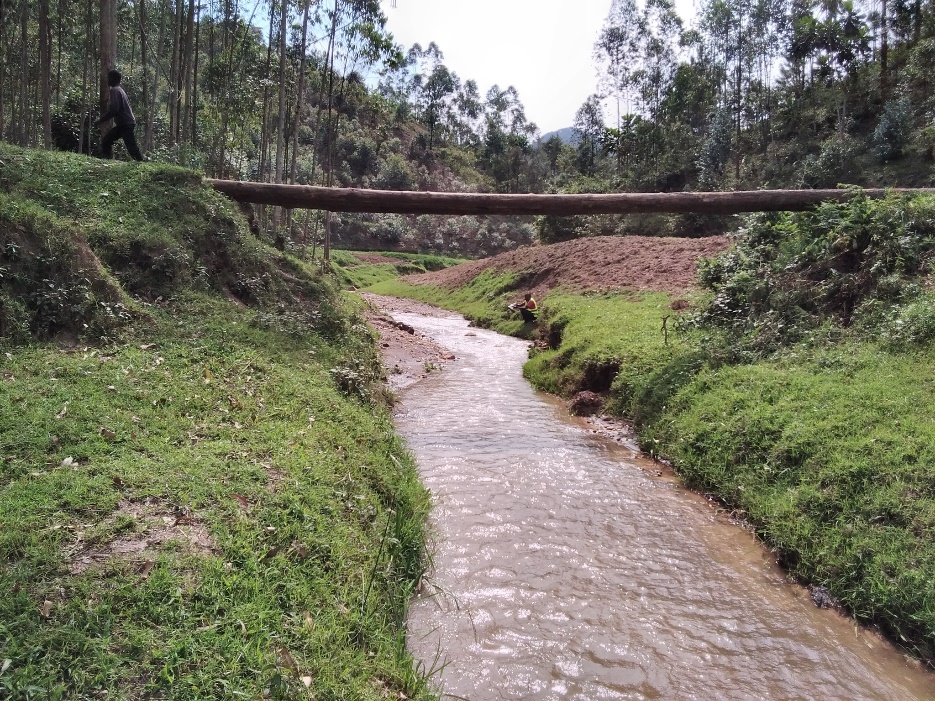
(395, 174)
(908, 324)
(86, 237)
(601, 343)
(553, 229)
(836, 162)
(893, 131)
(211, 503)
(790, 274)
(50, 282)
(828, 454)
(715, 150)
(365, 275)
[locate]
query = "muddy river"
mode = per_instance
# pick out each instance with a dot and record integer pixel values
(566, 568)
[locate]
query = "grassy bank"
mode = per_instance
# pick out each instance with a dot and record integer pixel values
(359, 273)
(796, 391)
(830, 454)
(201, 494)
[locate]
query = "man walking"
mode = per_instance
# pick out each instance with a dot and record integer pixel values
(119, 110)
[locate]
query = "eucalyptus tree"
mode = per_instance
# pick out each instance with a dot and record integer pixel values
(439, 87)
(616, 52)
(589, 127)
(507, 140)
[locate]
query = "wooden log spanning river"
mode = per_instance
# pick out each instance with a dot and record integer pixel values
(407, 202)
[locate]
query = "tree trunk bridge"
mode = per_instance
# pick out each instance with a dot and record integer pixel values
(408, 202)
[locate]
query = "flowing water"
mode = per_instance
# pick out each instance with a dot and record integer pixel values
(566, 568)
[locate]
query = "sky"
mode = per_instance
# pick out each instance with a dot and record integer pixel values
(544, 48)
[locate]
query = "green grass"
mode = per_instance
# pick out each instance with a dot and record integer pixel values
(601, 342)
(208, 501)
(319, 562)
(359, 274)
(831, 455)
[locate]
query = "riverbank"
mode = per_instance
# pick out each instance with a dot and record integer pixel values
(408, 356)
(822, 444)
(202, 494)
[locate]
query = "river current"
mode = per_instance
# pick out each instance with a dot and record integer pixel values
(565, 567)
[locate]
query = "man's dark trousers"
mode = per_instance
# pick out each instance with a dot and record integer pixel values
(125, 132)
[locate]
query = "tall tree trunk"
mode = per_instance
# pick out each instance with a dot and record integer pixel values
(154, 88)
(281, 127)
(188, 64)
(144, 51)
(342, 199)
(884, 51)
(108, 50)
(45, 72)
(174, 73)
(332, 128)
(86, 79)
(60, 11)
(300, 95)
(267, 117)
(281, 120)
(194, 127)
(3, 68)
(738, 88)
(21, 119)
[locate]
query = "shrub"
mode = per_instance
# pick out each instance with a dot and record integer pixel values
(395, 174)
(789, 274)
(834, 163)
(893, 131)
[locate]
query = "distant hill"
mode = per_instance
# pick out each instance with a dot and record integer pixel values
(567, 135)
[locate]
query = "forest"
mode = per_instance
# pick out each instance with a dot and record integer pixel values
(748, 94)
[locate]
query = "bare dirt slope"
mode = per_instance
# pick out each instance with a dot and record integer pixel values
(601, 263)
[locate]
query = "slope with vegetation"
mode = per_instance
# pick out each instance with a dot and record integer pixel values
(795, 386)
(201, 492)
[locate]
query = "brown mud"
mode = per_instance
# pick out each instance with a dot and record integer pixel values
(604, 263)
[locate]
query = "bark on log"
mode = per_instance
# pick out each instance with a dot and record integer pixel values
(392, 201)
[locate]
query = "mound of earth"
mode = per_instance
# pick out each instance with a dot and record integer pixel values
(639, 263)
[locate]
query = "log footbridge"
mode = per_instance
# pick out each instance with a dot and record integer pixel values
(452, 203)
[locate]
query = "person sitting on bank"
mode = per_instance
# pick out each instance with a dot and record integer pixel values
(119, 110)
(528, 309)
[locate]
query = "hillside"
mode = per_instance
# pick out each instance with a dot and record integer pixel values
(201, 491)
(636, 263)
